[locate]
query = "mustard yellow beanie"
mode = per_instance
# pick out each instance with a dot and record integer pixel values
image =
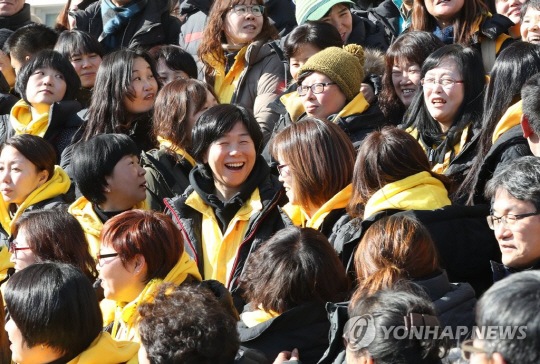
(344, 66)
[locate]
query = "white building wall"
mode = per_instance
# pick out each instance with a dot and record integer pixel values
(47, 10)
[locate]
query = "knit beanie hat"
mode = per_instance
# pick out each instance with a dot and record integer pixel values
(314, 10)
(344, 66)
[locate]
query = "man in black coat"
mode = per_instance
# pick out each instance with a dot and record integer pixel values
(14, 14)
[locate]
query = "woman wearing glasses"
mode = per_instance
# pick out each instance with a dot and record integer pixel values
(446, 118)
(329, 87)
(238, 61)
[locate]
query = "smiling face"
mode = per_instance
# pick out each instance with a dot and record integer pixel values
(231, 159)
(167, 74)
(126, 185)
(45, 86)
(328, 102)
(443, 103)
(10, 7)
(520, 245)
(303, 53)
(86, 65)
(510, 9)
(242, 29)
(340, 17)
(144, 88)
(18, 176)
(444, 11)
(406, 80)
(530, 26)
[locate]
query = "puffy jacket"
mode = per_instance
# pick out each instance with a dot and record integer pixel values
(367, 34)
(105, 350)
(152, 26)
(18, 20)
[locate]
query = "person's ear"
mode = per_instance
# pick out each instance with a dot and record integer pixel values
(43, 176)
(139, 264)
(526, 127)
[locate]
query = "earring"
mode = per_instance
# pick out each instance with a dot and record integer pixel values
(42, 348)
(107, 190)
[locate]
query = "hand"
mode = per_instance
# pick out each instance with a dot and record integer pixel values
(287, 355)
(369, 93)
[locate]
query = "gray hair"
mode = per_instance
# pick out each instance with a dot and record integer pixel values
(520, 178)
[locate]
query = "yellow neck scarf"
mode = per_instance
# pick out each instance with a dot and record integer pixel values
(22, 122)
(181, 152)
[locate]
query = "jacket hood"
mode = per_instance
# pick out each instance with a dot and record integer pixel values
(293, 105)
(510, 118)
(420, 191)
(57, 185)
(105, 350)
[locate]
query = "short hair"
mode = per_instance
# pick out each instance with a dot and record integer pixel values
(215, 122)
(530, 103)
(295, 266)
(95, 159)
(55, 235)
(76, 42)
(520, 178)
(36, 149)
(386, 156)
(54, 304)
(187, 324)
(29, 40)
(413, 47)
(319, 34)
(48, 59)
(175, 58)
(533, 4)
(172, 109)
(513, 302)
(149, 233)
(320, 157)
(394, 248)
(386, 309)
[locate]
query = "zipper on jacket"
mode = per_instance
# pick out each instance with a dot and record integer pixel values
(182, 229)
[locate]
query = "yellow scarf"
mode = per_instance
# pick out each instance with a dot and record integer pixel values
(293, 105)
(356, 106)
(5, 264)
(511, 118)
(181, 152)
(58, 184)
(21, 120)
(225, 84)
(126, 313)
(420, 191)
(105, 350)
(253, 318)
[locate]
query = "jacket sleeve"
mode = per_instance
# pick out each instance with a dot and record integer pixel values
(269, 86)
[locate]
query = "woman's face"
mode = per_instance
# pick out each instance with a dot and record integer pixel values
(144, 88)
(21, 257)
(20, 352)
(340, 17)
(18, 176)
(167, 74)
(286, 178)
(45, 86)
(242, 29)
(444, 102)
(510, 8)
(231, 159)
(126, 185)
(300, 57)
(444, 11)
(86, 65)
(406, 80)
(323, 104)
(193, 116)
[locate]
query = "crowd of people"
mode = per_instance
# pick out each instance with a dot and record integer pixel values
(249, 181)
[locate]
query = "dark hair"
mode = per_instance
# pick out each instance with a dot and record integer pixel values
(470, 66)
(214, 36)
(394, 248)
(95, 159)
(48, 59)
(187, 324)
(413, 47)
(5, 352)
(512, 302)
(386, 156)
(149, 233)
(530, 105)
(295, 266)
(513, 67)
(175, 58)
(54, 304)
(29, 40)
(172, 109)
(465, 22)
(107, 112)
(520, 178)
(55, 235)
(77, 42)
(215, 122)
(37, 150)
(533, 4)
(319, 34)
(320, 157)
(387, 309)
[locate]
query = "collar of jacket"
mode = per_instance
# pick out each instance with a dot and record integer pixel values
(501, 271)
(510, 118)
(436, 285)
(17, 19)
(356, 106)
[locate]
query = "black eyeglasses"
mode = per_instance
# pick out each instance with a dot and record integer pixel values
(316, 88)
(99, 258)
(507, 220)
(256, 10)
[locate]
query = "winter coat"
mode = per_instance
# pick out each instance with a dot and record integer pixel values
(7, 101)
(105, 350)
(389, 15)
(304, 327)
(367, 34)
(501, 271)
(18, 20)
(151, 27)
(260, 82)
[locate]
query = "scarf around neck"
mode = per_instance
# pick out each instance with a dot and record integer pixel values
(116, 18)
